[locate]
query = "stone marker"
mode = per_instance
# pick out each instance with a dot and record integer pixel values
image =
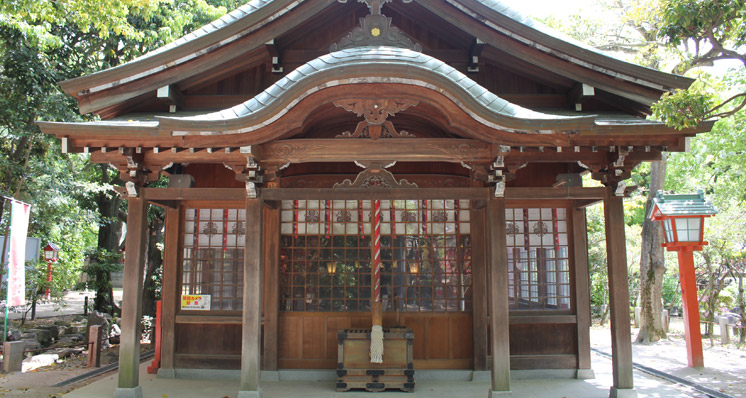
(13, 356)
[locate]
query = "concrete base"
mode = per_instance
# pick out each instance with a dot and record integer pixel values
(270, 375)
(482, 376)
(622, 393)
(135, 392)
(542, 374)
(585, 374)
(166, 373)
(499, 394)
(250, 394)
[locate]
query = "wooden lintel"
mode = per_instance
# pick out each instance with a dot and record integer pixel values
(216, 194)
(399, 149)
(577, 193)
(233, 194)
(168, 204)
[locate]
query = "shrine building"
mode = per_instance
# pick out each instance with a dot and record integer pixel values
(299, 136)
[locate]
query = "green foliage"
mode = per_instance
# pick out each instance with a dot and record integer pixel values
(708, 31)
(683, 108)
(702, 20)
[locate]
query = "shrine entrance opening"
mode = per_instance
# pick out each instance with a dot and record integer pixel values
(325, 277)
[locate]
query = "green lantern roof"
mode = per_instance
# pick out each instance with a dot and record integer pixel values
(682, 205)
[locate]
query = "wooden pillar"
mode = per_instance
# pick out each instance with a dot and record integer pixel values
(480, 320)
(271, 299)
(692, 332)
(252, 301)
(134, 266)
(616, 252)
(498, 264)
(582, 291)
(169, 297)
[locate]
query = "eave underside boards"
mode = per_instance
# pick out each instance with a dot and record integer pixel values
(215, 56)
(616, 85)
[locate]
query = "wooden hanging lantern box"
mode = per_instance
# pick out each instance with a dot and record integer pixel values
(355, 370)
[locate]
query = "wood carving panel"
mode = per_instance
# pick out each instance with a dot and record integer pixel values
(375, 112)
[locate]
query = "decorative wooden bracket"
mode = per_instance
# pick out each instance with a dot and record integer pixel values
(375, 177)
(375, 113)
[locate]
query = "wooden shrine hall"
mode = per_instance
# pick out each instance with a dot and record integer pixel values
(329, 160)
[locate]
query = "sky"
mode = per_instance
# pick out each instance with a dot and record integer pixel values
(545, 8)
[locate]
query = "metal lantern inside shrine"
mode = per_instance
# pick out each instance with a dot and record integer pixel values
(683, 220)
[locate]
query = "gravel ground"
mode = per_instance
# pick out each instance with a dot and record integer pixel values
(725, 366)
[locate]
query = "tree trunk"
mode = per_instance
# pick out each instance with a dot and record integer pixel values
(652, 264)
(741, 307)
(109, 236)
(151, 288)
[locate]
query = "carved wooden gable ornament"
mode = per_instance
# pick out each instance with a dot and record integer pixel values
(375, 113)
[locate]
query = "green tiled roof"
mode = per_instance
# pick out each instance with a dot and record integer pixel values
(683, 204)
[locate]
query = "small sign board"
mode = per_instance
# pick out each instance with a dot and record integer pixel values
(200, 302)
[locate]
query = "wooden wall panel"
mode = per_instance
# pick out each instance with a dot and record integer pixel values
(314, 338)
(543, 339)
(461, 343)
(290, 337)
(309, 340)
(437, 334)
(208, 339)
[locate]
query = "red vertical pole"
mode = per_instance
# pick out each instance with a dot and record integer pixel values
(49, 279)
(691, 308)
(153, 368)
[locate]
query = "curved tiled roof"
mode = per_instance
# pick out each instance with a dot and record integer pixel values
(257, 13)
(374, 65)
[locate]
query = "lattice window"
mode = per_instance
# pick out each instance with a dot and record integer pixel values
(425, 251)
(214, 256)
(538, 264)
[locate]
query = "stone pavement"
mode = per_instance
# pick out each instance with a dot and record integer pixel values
(647, 386)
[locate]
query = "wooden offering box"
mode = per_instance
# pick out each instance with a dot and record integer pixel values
(355, 370)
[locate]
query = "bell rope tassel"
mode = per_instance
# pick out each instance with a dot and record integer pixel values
(376, 344)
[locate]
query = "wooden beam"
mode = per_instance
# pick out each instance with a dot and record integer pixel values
(171, 96)
(271, 280)
(234, 194)
(134, 265)
(169, 286)
(402, 149)
(252, 301)
(616, 252)
(499, 317)
(582, 290)
(480, 310)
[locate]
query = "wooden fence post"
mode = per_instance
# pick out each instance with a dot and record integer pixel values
(94, 346)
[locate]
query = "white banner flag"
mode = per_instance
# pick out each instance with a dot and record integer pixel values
(17, 253)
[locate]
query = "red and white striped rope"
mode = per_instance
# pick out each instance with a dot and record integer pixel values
(377, 250)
